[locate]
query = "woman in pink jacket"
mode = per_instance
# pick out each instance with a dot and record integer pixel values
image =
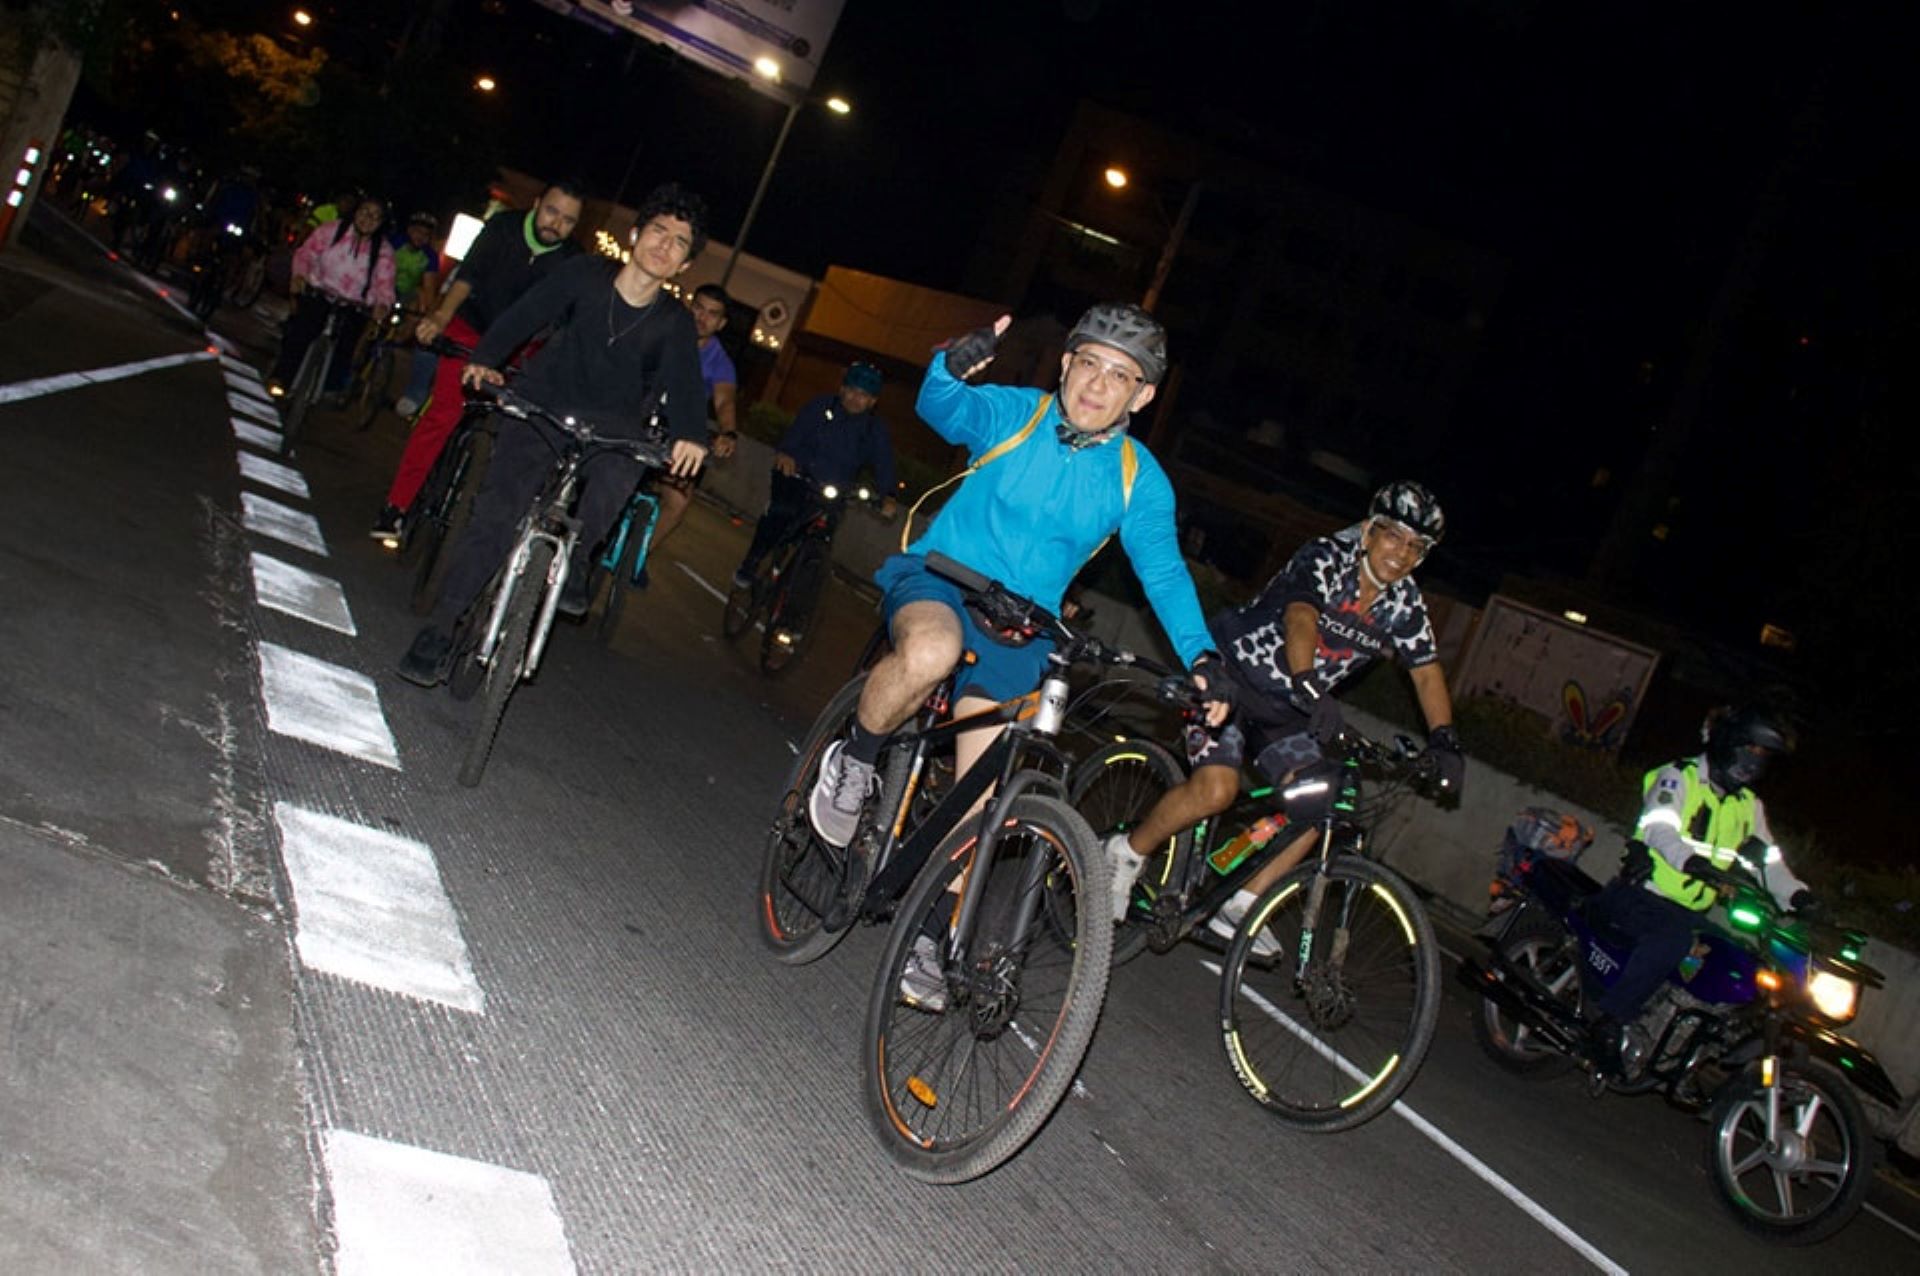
(343, 260)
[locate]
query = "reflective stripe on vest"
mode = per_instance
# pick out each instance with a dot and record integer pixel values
(1729, 821)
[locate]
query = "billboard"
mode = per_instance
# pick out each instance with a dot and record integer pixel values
(1587, 684)
(728, 36)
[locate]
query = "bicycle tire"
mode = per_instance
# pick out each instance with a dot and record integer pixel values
(252, 279)
(799, 874)
(792, 612)
(744, 604)
(368, 385)
(305, 389)
(503, 674)
(612, 583)
(1333, 1050)
(449, 506)
(1020, 1008)
(1112, 788)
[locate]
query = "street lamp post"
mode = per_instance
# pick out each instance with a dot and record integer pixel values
(839, 106)
(1178, 233)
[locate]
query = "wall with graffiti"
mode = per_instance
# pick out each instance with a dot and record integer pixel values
(1587, 684)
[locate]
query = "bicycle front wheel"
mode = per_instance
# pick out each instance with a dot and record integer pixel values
(1327, 1033)
(971, 1042)
(304, 390)
(1113, 789)
(503, 674)
(790, 615)
(802, 879)
(742, 604)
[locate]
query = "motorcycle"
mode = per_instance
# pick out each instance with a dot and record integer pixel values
(1745, 1030)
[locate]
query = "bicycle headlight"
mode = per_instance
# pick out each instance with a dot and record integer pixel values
(234, 230)
(831, 492)
(866, 494)
(1835, 996)
(169, 194)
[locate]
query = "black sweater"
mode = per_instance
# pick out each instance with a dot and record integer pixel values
(605, 370)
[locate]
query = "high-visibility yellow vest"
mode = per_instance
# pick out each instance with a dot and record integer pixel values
(1712, 825)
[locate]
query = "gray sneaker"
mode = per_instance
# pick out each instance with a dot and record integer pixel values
(1126, 868)
(923, 985)
(834, 805)
(1226, 922)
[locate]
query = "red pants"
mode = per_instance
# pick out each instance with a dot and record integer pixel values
(431, 431)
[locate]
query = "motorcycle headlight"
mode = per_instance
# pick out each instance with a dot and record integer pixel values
(1835, 996)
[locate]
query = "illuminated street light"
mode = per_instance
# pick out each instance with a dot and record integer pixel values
(1117, 179)
(837, 104)
(766, 68)
(301, 18)
(486, 84)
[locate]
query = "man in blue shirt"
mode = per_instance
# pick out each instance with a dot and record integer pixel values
(830, 440)
(1052, 476)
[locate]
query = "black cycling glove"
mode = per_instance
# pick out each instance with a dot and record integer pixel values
(1449, 763)
(1324, 720)
(968, 351)
(1219, 690)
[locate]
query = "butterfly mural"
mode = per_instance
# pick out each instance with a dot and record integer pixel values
(1593, 726)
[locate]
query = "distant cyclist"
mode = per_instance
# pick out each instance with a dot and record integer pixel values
(832, 438)
(709, 307)
(620, 347)
(416, 286)
(349, 259)
(513, 252)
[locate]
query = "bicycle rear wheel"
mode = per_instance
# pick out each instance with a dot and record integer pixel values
(802, 879)
(790, 614)
(744, 604)
(1332, 1046)
(304, 390)
(445, 504)
(369, 386)
(503, 674)
(958, 1081)
(1113, 789)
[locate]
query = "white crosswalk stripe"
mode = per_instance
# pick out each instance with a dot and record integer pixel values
(398, 1208)
(255, 408)
(258, 436)
(324, 704)
(273, 474)
(282, 522)
(300, 593)
(370, 907)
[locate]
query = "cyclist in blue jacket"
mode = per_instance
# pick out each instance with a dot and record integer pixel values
(1052, 476)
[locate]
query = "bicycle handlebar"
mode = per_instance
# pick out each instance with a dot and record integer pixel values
(647, 452)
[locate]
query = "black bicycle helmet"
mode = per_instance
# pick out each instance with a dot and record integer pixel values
(424, 219)
(1742, 742)
(1412, 505)
(1128, 329)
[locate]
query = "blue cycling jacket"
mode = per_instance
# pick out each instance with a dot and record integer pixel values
(1031, 518)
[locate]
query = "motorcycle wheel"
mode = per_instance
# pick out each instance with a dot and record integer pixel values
(1810, 1179)
(1541, 947)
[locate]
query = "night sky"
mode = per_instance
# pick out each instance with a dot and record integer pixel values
(1661, 179)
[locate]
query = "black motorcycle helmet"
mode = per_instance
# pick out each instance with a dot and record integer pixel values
(1742, 742)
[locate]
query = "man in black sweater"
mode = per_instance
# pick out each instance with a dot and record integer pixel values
(620, 348)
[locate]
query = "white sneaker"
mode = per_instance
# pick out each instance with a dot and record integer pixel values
(405, 406)
(1126, 868)
(923, 985)
(1226, 921)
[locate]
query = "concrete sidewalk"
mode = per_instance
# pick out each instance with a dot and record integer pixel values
(150, 1109)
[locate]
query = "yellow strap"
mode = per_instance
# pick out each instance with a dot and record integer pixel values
(1129, 470)
(993, 453)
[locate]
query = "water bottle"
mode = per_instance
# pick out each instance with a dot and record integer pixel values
(1228, 857)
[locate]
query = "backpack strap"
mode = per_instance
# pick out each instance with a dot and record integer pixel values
(993, 453)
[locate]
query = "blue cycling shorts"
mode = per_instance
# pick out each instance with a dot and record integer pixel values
(999, 672)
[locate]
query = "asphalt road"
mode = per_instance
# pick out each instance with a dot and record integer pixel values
(608, 1038)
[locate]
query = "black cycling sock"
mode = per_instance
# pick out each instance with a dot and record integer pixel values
(864, 745)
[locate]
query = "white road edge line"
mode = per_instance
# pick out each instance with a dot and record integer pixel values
(1890, 1221)
(20, 390)
(1446, 1144)
(701, 581)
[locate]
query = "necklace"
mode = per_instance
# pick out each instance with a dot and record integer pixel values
(614, 334)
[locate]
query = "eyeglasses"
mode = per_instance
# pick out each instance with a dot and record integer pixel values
(1111, 375)
(1400, 536)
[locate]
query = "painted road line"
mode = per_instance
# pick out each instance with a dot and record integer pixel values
(406, 1209)
(254, 408)
(369, 906)
(1439, 1137)
(323, 704)
(273, 474)
(701, 581)
(238, 373)
(282, 522)
(250, 391)
(300, 593)
(257, 436)
(97, 376)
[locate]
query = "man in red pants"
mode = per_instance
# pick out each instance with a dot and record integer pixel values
(513, 252)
